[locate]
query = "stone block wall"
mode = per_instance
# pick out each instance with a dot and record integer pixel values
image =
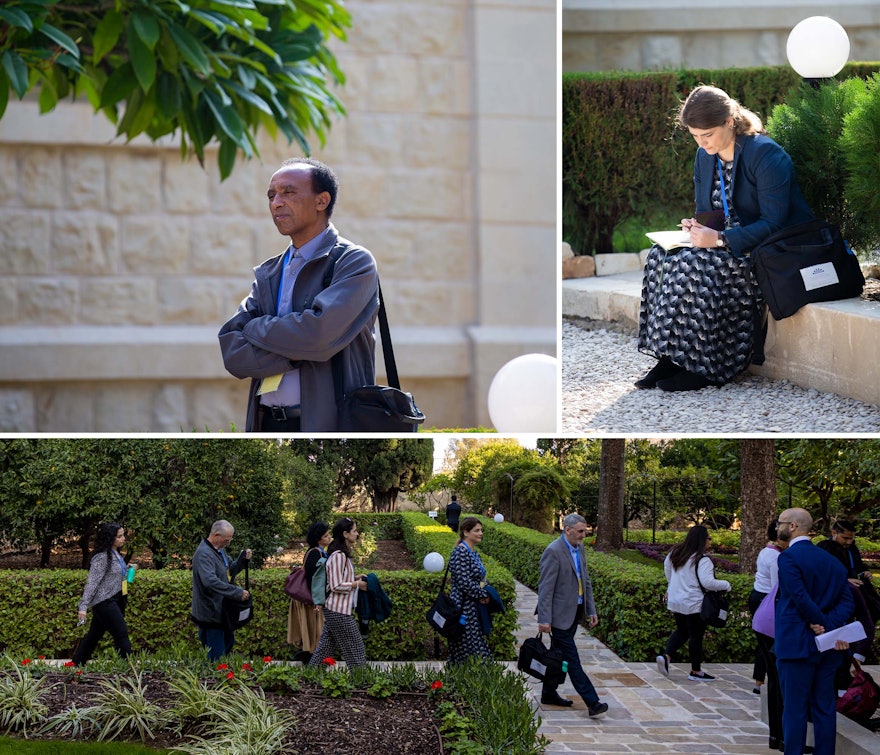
(119, 262)
(644, 35)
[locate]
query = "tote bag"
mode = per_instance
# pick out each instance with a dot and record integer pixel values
(764, 620)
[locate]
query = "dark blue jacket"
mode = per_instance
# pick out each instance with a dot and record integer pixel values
(766, 194)
(813, 589)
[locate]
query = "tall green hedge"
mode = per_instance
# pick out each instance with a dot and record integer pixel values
(39, 615)
(622, 157)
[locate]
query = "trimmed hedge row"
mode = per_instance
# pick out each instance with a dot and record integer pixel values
(39, 616)
(623, 159)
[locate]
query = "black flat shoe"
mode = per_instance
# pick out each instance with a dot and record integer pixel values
(683, 381)
(556, 699)
(665, 368)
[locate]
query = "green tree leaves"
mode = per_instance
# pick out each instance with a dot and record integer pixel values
(214, 71)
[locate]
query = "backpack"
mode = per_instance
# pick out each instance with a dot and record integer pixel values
(861, 698)
(319, 582)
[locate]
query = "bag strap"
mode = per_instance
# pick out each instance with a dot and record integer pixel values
(247, 575)
(384, 332)
(697, 571)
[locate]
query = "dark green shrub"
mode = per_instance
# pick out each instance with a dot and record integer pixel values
(860, 142)
(809, 127)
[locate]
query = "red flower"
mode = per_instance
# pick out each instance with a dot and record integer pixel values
(26, 661)
(222, 666)
(41, 657)
(437, 685)
(330, 661)
(267, 659)
(230, 675)
(79, 671)
(69, 664)
(246, 667)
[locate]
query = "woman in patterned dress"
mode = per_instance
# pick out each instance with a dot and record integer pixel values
(340, 632)
(701, 305)
(468, 579)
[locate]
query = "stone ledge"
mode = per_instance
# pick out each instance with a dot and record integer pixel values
(832, 347)
(104, 353)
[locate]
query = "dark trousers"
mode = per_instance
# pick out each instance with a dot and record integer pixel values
(107, 616)
(808, 689)
(218, 641)
(564, 640)
(689, 628)
(773, 689)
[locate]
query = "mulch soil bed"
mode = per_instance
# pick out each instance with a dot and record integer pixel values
(405, 723)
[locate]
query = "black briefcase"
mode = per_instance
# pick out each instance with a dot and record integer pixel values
(806, 263)
(237, 613)
(541, 662)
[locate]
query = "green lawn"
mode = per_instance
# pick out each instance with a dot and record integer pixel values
(10, 746)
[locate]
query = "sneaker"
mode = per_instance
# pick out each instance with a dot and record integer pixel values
(598, 709)
(663, 665)
(700, 676)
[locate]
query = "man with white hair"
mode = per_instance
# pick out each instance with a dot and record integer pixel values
(213, 572)
(565, 596)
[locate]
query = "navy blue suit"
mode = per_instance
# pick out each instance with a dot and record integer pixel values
(812, 590)
(766, 195)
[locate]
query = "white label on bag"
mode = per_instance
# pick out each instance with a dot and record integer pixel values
(539, 667)
(819, 276)
(722, 614)
(244, 613)
(439, 620)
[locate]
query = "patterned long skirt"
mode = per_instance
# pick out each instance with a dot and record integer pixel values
(698, 308)
(472, 643)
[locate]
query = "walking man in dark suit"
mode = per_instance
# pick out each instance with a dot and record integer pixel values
(814, 597)
(565, 596)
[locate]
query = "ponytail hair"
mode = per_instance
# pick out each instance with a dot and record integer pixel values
(710, 107)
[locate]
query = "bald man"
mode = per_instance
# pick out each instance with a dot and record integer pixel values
(814, 597)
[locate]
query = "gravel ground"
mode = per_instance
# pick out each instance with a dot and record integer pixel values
(598, 396)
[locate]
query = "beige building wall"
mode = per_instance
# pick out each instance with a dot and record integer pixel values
(638, 35)
(119, 263)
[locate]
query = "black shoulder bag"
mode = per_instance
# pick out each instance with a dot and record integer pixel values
(374, 408)
(444, 616)
(805, 263)
(716, 603)
(237, 613)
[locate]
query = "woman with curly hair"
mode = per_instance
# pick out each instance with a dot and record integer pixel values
(106, 593)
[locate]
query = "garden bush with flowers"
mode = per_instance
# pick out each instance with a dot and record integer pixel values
(179, 702)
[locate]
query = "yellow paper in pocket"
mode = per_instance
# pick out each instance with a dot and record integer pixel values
(270, 384)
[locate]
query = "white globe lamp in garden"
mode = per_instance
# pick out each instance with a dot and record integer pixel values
(817, 48)
(522, 396)
(433, 562)
(499, 518)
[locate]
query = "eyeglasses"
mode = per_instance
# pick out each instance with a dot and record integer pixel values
(790, 524)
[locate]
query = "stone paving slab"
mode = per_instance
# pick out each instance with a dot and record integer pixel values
(648, 713)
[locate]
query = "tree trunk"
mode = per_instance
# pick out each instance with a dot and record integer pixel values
(609, 530)
(385, 501)
(758, 492)
(45, 551)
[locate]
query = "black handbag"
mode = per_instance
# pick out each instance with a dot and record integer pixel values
(444, 615)
(716, 604)
(541, 662)
(808, 262)
(237, 613)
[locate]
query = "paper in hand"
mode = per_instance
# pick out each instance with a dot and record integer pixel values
(852, 632)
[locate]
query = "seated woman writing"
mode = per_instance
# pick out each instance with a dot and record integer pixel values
(701, 305)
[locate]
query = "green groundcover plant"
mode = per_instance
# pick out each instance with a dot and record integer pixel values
(231, 707)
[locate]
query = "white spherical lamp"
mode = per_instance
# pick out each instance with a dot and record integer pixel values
(522, 396)
(433, 562)
(817, 48)
(499, 518)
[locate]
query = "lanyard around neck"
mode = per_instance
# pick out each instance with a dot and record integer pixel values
(723, 193)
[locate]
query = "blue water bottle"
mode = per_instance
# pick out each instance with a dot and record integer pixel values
(129, 575)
